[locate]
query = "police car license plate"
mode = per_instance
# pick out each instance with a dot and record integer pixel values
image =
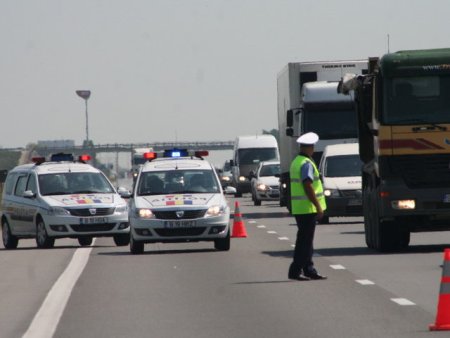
(179, 224)
(93, 220)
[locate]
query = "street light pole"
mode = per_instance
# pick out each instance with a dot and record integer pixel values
(85, 94)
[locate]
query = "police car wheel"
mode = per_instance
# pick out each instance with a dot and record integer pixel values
(42, 238)
(136, 248)
(85, 240)
(9, 240)
(122, 239)
(223, 244)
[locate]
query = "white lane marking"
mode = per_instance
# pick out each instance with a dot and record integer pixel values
(251, 221)
(261, 226)
(271, 232)
(293, 245)
(364, 282)
(315, 254)
(283, 238)
(402, 301)
(337, 267)
(47, 318)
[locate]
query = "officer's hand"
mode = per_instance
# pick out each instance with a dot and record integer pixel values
(319, 215)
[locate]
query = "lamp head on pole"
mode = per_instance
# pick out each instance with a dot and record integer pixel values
(85, 94)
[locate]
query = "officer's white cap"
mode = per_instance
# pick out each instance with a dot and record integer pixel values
(308, 139)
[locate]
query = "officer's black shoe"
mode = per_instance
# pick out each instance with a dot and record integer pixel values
(298, 277)
(315, 276)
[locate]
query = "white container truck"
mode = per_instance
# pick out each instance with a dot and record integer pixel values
(308, 101)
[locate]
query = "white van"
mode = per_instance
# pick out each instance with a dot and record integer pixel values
(340, 169)
(248, 152)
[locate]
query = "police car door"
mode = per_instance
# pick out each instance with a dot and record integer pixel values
(23, 207)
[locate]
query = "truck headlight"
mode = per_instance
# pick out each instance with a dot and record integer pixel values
(403, 204)
(242, 178)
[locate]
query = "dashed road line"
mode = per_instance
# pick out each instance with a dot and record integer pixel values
(261, 226)
(402, 301)
(364, 282)
(283, 238)
(338, 267)
(271, 232)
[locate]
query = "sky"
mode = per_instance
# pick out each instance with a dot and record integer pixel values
(181, 70)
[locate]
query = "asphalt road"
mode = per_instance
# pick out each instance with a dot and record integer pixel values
(191, 290)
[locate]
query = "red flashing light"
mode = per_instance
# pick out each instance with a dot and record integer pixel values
(84, 158)
(201, 153)
(384, 194)
(38, 160)
(149, 156)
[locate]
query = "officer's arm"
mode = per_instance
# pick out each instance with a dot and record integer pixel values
(309, 190)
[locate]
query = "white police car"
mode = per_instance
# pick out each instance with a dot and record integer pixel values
(178, 198)
(61, 198)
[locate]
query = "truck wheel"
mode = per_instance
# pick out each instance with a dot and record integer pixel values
(368, 222)
(43, 241)
(223, 244)
(122, 239)
(85, 240)
(391, 236)
(9, 240)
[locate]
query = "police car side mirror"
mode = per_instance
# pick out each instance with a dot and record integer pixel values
(29, 194)
(124, 192)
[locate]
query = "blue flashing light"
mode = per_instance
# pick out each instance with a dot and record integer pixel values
(59, 157)
(176, 153)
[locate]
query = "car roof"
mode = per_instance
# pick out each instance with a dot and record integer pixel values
(56, 167)
(341, 149)
(165, 164)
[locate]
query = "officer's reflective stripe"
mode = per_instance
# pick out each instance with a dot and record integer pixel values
(302, 198)
(298, 180)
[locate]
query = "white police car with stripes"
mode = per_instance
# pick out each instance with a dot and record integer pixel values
(60, 198)
(178, 198)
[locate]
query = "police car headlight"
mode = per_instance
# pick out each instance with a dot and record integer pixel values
(215, 210)
(144, 213)
(242, 178)
(331, 193)
(57, 211)
(121, 209)
(261, 187)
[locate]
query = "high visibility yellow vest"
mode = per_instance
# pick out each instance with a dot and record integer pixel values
(300, 203)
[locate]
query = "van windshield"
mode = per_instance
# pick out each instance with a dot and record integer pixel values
(343, 166)
(256, 155)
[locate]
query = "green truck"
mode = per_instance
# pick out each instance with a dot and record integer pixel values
(403, 107)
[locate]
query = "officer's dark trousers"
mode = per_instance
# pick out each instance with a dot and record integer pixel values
(304, 245)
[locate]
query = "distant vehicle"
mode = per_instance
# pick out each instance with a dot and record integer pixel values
(248, 152)
(308, 102)
(340, 169)
(137, 160)
(61, 198)
(265, 182)
(178, 198)
(225, 174)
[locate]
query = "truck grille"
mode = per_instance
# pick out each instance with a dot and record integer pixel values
(188, 214)
(429, 171)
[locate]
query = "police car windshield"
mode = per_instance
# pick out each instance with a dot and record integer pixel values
(73, 183)
(177, 182)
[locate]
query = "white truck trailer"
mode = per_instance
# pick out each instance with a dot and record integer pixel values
(308, 101)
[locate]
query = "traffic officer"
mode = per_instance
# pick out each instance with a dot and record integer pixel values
(307, 206)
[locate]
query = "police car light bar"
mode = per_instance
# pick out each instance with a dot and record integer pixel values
(201, 153)
(175, 153)
(38, 160)
(84, 158)
(59, 157)
(149, 156)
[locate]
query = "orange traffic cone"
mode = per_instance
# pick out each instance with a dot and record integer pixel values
(443, 310)
(238, 224)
